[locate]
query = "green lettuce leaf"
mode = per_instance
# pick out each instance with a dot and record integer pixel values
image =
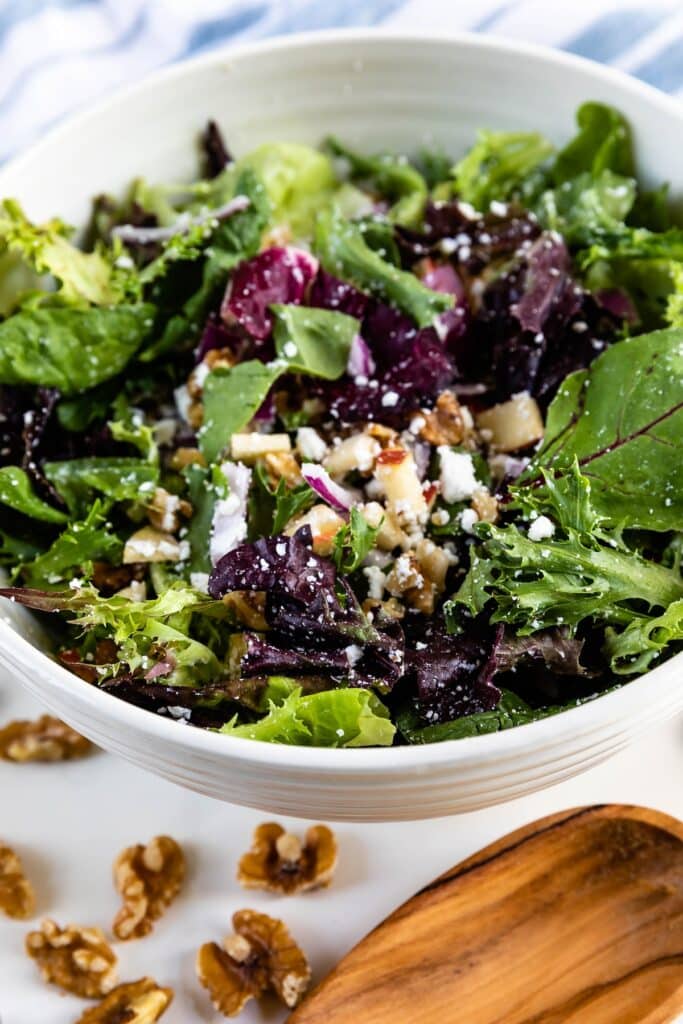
(643, 641)
(82, 277)
(622, 419)
(392, 177)
(588, 209)
(501, 166)
(331, 718)
(71, 349)
(343, 251)
(603, 142)
(316, 342)
(299, 182)
(120, 479)
(17, 492)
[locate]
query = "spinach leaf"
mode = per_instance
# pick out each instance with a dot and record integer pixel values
(511, 711)
(392, 177)
(622, 419)
(603, 143)
(313, 341)
(343, 251)
(17, 492)
(68, 348)
(502, 166)
(77, 546)
(353, 542)
(120, 479)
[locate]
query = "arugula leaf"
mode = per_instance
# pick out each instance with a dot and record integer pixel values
(332, 718)
(622, 419)
(131, 429)
(391, 176)
(71, 349)
(635, 648)
(17, 492)
(501, 166)
(511, 711)
(313, 341)
(120, 479)
(603, 143)
(353, 542)
(83, 277)
(202, 496)
(343, 251)
(77, 546)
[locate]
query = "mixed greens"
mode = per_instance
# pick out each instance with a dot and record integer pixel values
(348, 450)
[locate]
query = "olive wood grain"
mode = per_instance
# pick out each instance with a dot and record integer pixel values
(575, 919)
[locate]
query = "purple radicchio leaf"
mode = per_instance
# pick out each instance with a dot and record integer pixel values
(216, 335)
(328, 292)
(553, 649)
(452, 674)
(280, 274)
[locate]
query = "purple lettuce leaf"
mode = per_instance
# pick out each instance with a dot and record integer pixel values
(328, 292)
(276, 275)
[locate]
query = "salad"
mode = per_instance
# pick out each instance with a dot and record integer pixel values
(346, 450)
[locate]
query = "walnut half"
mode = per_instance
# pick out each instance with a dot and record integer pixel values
(279, 862)
(149, 878)
(79, 960)
(136, 1002)
(46, 739)
(261, 955)
(16, 893)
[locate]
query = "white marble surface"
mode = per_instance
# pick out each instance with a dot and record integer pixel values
(68, 821)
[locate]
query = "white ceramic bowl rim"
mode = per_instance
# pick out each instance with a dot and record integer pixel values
(547, 733)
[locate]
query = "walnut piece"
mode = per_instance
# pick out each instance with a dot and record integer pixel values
(261, 955)
(136, 1002)
(279, 862)
(79, 960)
(485, 505)
(166, 510)
(445, 424)
(45, 739)
(149, 878)
(16, 893)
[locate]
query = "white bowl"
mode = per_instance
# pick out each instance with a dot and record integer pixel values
(374, 89)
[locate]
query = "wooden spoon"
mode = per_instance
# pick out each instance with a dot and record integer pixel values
(576, 918)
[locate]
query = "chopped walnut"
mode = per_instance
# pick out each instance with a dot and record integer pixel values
(261, 955)
(445, 424)
(79, 960)
(149, 878)
(45, 739)
(165, 510)
(136, 1002)
(183, 457)
(386, 436)
(111, 578)
(223, 357)
(485, 505)
(282, 466)
(325, 524)
(16, 893)
(151, 545)
(278, 862)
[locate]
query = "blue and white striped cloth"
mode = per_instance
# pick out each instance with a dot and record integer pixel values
(59, 55)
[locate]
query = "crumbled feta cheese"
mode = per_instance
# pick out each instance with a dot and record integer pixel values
(457, 476)
(200, 581)
(440, 517)
(376, 579)
(498, 209)
(289, 349)
(417, 423)
(468, 517)
(310, 444)
(229, 523)
(353, 654)
(183, 402)
(200, 373)
(390, 399)
(164, 430)
(542, 528)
